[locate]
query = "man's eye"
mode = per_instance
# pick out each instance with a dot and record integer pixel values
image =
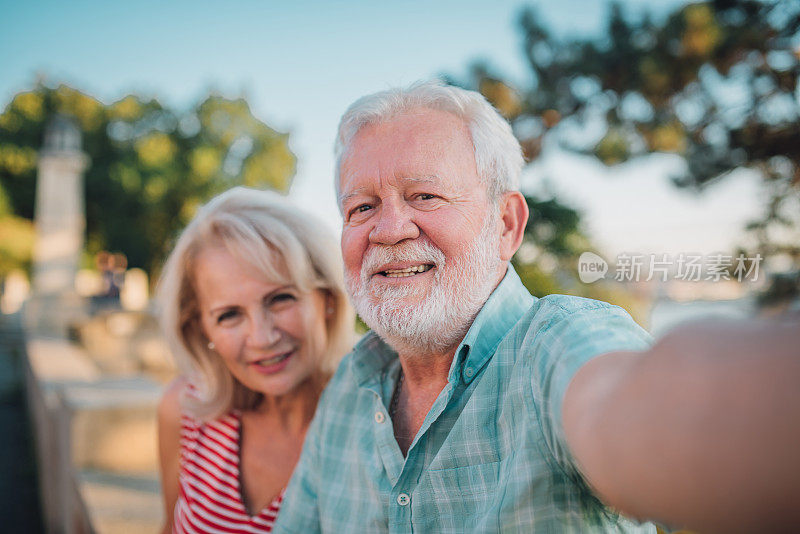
(425, 196)
(361, 208)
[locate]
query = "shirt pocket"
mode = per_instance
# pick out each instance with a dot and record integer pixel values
(465, 496)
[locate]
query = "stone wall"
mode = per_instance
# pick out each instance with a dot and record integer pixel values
(96, 398)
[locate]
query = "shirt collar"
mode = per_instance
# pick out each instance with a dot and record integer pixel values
(509, 300)
(499, 314)
(371, 356)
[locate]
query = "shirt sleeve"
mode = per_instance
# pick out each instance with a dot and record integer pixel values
(572, 338)
(299, 512)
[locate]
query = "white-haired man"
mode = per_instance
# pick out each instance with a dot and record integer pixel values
(475, 407)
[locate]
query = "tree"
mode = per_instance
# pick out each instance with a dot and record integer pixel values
(715, 82)
(151, 166)
(16, 239)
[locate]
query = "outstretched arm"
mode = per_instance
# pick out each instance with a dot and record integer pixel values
(700, 431)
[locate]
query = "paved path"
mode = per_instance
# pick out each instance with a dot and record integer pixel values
(19, 501)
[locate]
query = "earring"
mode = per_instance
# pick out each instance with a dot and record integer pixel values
(211, 345)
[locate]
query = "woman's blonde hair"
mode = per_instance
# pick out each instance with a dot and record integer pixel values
(261, 229)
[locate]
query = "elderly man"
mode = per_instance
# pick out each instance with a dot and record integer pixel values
(473, 406)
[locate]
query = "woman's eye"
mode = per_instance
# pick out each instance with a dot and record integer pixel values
(283, 297)
(224, 316)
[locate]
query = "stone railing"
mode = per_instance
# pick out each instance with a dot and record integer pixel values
(63, 508)
(96, 441)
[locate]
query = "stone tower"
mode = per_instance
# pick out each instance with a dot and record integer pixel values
(60, 224)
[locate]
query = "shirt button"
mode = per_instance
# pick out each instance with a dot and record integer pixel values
(379, 417)
(403, 499)
(469, 371)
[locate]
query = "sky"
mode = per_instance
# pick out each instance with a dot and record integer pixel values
(300, 64)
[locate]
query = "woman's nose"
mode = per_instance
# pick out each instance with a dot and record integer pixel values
(263, 331)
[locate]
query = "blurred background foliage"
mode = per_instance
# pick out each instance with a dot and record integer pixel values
(714, 82)
(151, 167)
(16, 239)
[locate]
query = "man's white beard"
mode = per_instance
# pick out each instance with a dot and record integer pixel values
(440, 319)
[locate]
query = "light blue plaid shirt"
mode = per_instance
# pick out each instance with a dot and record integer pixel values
(490, 455)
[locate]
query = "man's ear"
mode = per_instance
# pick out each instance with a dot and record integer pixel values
(514, 217)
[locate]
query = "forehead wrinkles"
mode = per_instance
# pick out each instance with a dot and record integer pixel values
(414, 139)
(405, 151)
(389, 182)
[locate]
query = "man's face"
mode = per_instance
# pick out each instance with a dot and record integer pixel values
(419, 238)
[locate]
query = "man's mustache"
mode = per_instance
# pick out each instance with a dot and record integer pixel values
(417, 251)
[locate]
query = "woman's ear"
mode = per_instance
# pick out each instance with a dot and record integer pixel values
(330, 304)
(514, 217)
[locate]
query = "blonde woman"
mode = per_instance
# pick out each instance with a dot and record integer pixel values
(253, 305)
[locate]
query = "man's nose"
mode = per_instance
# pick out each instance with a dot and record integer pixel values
(394, 224)
(263, 331)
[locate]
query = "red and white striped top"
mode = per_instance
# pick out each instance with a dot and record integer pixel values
(210, 498)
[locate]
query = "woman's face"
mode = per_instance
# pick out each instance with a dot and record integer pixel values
(270, 335)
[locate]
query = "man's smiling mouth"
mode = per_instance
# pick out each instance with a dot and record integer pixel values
(408, 271)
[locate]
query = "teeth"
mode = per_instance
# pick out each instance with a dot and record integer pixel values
(273, 361)
(408, 271)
